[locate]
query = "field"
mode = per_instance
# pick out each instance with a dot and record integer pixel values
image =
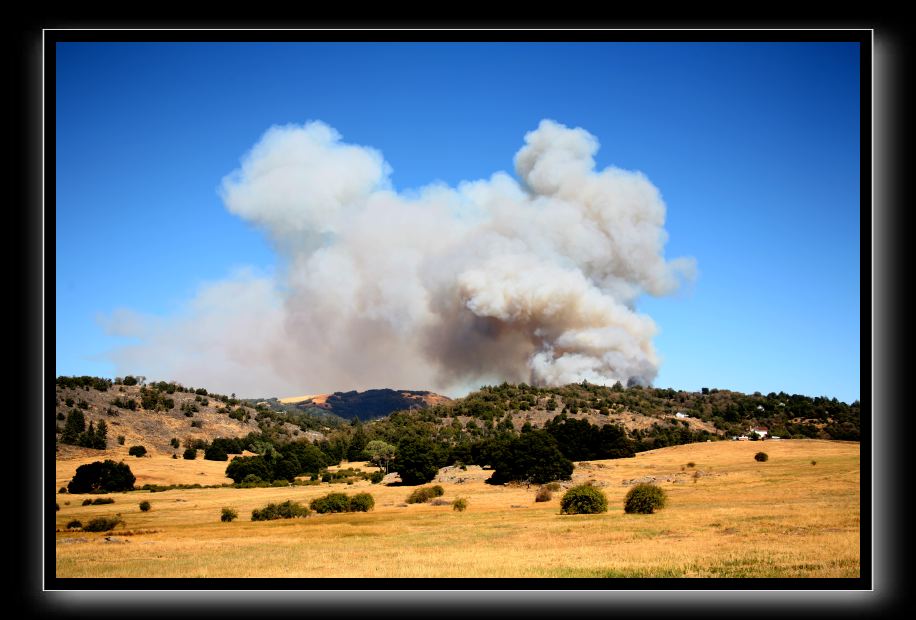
(785, 517)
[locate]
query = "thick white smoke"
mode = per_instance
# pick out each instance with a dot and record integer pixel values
(443, 289)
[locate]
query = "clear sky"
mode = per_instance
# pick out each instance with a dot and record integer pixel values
(754, 148)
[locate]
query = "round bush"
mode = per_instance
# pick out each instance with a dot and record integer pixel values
(190, 454)
(332, 502)
(644, 499)
(583, 499)
(761, 457)
(137, 451)
(460, 504)
(361, 502)
(543, 495)
(144, 506)
(74, 525)
(229, 514)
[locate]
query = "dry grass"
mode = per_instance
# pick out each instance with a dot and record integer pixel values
(741, 518)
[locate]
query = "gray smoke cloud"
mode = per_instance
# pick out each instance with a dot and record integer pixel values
(444, 288)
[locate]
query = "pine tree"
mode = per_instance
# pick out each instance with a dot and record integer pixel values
(101, 436)
(73, 427)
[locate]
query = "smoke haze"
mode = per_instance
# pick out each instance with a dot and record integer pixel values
(532, 280)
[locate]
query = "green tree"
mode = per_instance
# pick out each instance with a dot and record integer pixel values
(380, 453)
(102, 476)
(531, 457)
(417, 460)
(73, 427)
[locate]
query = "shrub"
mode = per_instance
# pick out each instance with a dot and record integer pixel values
(144, 506)
(691, 464)
(761, 457)
(100, 476)
(543, 495)
(332, 502)
(228, 515)
(56, 507)
(287, 510)
(326, 477)
(137, 451)
(644, 499)
(814, 462)
(197, 424)
(583, 499)
(174, 442)
(101, 500)
(424, 494)
(102, 524)
(553, 486)
(361, 502)
(377, 477)
(62, 490)
(87, 502)
(74, 524)
(190, 454)
(460, 504)
(120, 440)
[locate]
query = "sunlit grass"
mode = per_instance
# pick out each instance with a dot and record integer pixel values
(781, 518)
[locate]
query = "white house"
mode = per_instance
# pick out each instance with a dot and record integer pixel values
(681, 415)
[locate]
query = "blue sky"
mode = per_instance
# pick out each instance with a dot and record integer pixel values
(754, 147)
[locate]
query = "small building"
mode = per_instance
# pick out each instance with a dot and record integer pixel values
(742, 438)
(681, 415)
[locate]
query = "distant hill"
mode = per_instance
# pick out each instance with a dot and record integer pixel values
(368, 405)
(153, 414)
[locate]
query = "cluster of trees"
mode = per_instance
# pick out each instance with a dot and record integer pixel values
(84, 382)
(75, 431)
(283, 462)
(155, 399)
(102, 477)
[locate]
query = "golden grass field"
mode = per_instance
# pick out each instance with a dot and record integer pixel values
(781, 518)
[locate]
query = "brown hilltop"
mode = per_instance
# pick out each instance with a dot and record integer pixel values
(155, 429)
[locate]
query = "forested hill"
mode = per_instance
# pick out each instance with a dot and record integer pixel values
(650, 413)
(368, 405)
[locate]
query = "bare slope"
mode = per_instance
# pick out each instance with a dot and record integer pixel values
(154, 429)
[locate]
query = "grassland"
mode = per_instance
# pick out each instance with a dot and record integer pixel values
(738, 518)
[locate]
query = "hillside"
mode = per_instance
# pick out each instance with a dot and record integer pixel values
(649, 415)
(368, 405)
(153, 415)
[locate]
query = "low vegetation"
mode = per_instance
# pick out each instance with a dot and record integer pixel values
(286, 510)
(424, 494)
(583, 499)
(644, 499)
(341, 502)
(102, 524)
(761, 457)
(228, 514)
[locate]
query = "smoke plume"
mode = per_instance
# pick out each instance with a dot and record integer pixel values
(532, 280)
